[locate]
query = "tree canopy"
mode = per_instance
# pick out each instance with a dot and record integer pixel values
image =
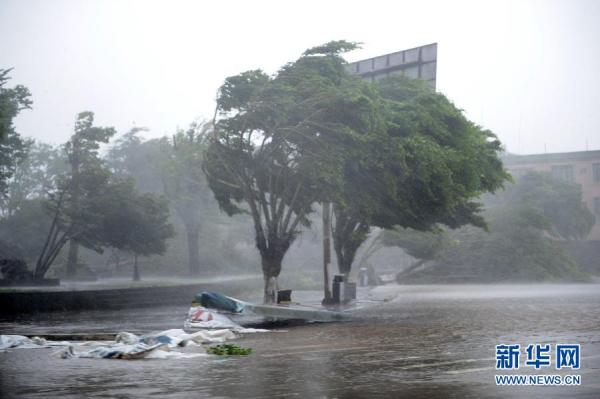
(427, 166)
(82, 153)
(557, 203)
(133, 222)
(278, 146)
(13, 148)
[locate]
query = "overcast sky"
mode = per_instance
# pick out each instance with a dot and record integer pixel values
(528, 70)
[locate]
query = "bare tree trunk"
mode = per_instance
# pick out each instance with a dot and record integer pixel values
(271, 267)
(326, 251)
(327, 297)
(349, 234)
(270, 290)
(74, 246)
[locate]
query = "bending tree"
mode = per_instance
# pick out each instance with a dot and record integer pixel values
(82, 151)
(428, 167)
(110, 212)
(77, 214)
(279, 145)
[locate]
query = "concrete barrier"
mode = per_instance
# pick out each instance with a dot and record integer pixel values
(19, 302)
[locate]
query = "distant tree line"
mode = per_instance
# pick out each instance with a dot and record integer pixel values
(522, 241)
(391, 154)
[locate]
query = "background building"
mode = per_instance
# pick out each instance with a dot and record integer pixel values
(582, 167)
(416, 63)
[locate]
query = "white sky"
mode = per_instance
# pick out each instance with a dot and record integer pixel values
(528, 70)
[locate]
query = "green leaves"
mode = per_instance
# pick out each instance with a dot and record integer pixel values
(517, 245)
(82, 148)
(228, 350)
(281, 143)
(238, 91)
(13, 149)
(387, 153)
(427, 165)
(557, 203)
(333, 47)
(134, 222)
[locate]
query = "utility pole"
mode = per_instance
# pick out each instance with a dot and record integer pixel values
(326, 251)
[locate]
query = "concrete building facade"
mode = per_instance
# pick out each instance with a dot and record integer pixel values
(416, 63)
(582, 167)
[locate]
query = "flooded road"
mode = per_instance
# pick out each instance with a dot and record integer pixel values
(423, 342)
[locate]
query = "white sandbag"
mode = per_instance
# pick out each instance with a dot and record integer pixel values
(211, 336)
(23, 342)
(200, 317)
(159, 345)
(114, 351)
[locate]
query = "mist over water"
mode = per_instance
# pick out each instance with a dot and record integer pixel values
(425, 341)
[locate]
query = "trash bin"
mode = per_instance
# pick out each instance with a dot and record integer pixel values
(284, 296)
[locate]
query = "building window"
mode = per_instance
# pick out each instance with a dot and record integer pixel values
(563, 172)
(596, 169)
(597, 205)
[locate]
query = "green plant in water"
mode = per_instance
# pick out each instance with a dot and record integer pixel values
(228, 350)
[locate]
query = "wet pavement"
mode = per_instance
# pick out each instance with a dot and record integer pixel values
(423, 342)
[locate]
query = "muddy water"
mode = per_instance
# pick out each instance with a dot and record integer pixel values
(423, 342)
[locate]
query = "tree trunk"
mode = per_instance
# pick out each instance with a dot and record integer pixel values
(136, 270)
(348, 235)
(271, 266)
(270, 290)
(193, 249)
(73, 245)
(326, 252)
(72, 259)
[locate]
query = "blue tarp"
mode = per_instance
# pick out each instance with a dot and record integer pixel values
(214, 300)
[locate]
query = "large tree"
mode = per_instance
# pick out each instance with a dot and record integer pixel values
(110, 212)
(76, 215)
(135, 223)
(82, 150)
(279, 143)
(12, 147)
(172, 166)
(428, 166)
(185, 185)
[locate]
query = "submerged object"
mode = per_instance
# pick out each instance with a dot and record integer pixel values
(215, 310)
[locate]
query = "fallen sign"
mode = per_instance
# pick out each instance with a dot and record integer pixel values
(214, 310)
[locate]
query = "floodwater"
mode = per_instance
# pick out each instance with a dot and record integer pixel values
(422, 342)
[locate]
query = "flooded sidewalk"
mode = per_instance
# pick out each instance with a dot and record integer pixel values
(426, 342)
